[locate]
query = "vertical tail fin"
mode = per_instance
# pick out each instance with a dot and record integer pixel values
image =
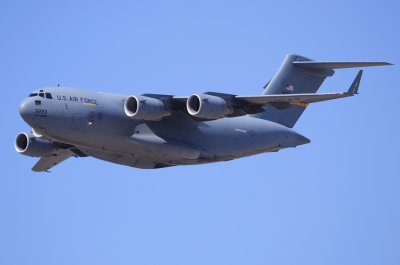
(299, 75)
(292, 79)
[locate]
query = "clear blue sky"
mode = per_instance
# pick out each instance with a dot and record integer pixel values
(334, 201)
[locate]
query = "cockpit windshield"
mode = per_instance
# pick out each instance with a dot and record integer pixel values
(41, 94)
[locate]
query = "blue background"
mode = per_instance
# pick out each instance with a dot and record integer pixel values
(334, 201)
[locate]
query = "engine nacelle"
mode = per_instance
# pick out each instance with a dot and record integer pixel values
(145, 108)
(207, 106)
(29, 145)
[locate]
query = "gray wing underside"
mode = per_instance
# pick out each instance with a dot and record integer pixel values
(45, 163)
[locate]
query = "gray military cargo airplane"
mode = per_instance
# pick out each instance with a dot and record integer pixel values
(155, 131)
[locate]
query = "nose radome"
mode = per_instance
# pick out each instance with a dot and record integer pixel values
(25, 109)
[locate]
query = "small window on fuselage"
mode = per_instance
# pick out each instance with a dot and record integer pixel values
(33, 94)
(48, 95)
(41, 94)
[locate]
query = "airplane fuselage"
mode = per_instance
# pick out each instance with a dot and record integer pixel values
(96, 124)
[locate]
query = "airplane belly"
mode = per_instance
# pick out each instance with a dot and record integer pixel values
(243, 136)
(125, 159)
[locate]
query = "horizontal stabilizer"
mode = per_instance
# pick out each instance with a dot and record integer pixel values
(336, 65)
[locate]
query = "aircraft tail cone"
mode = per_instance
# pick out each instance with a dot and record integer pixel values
(302, 139)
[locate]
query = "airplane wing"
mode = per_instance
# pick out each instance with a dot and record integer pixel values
(47, 162)
(253, 104)
(302, 98)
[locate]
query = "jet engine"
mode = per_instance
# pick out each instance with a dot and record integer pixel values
(145, 108)
(207, 106)
(29, 145)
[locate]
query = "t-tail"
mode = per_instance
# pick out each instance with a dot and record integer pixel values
(300, 75)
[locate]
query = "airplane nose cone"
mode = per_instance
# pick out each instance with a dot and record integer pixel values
(25, 109)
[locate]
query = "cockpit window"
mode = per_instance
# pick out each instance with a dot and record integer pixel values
(41, 94)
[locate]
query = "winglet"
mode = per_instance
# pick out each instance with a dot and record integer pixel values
(353, 89)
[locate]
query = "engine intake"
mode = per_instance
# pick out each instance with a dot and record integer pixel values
(145, 108)
(207, 107)
(29, 145)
